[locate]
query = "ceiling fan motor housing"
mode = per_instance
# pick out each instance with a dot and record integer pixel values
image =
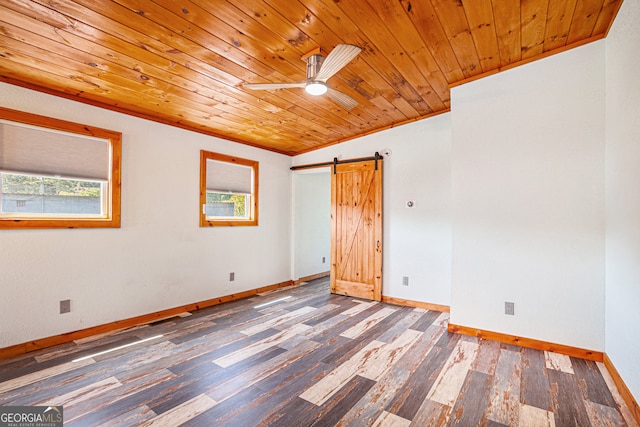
(314, 62)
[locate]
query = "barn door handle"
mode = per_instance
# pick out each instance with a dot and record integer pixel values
(378, 244)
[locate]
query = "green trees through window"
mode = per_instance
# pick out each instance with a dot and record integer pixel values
(30, 184)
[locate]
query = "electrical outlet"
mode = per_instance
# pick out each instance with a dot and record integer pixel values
(405, 280)
(232, 276)
(509, 308)
(324, 259)
(65, 306)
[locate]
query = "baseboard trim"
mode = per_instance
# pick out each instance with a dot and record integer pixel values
(41, 343)
(596, 356)
(417, 304)
(312, 277)
(631, 402)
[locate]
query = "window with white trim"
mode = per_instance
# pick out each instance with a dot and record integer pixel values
(57, 174)
(228, 190)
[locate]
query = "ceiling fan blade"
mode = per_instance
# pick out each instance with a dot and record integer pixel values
(274, 86)
(336, 60)
(342, 98)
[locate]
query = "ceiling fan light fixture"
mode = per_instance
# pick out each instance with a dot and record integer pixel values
(316, 88)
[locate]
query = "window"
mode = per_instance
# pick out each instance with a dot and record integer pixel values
(57, 174)
(228, 190)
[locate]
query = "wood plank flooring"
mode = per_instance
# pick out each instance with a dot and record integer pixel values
(299, 357)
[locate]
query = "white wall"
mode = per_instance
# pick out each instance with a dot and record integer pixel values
(623, 196)
(160, 257)
(417, 241)
(528, 200)
(312, 222)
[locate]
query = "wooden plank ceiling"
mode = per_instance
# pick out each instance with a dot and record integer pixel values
(185, 62)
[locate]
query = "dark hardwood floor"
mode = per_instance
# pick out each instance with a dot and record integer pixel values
(300, 357)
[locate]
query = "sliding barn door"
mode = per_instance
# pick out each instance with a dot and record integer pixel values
(356, 229)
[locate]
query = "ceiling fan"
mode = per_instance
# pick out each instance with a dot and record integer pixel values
(319, 70)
